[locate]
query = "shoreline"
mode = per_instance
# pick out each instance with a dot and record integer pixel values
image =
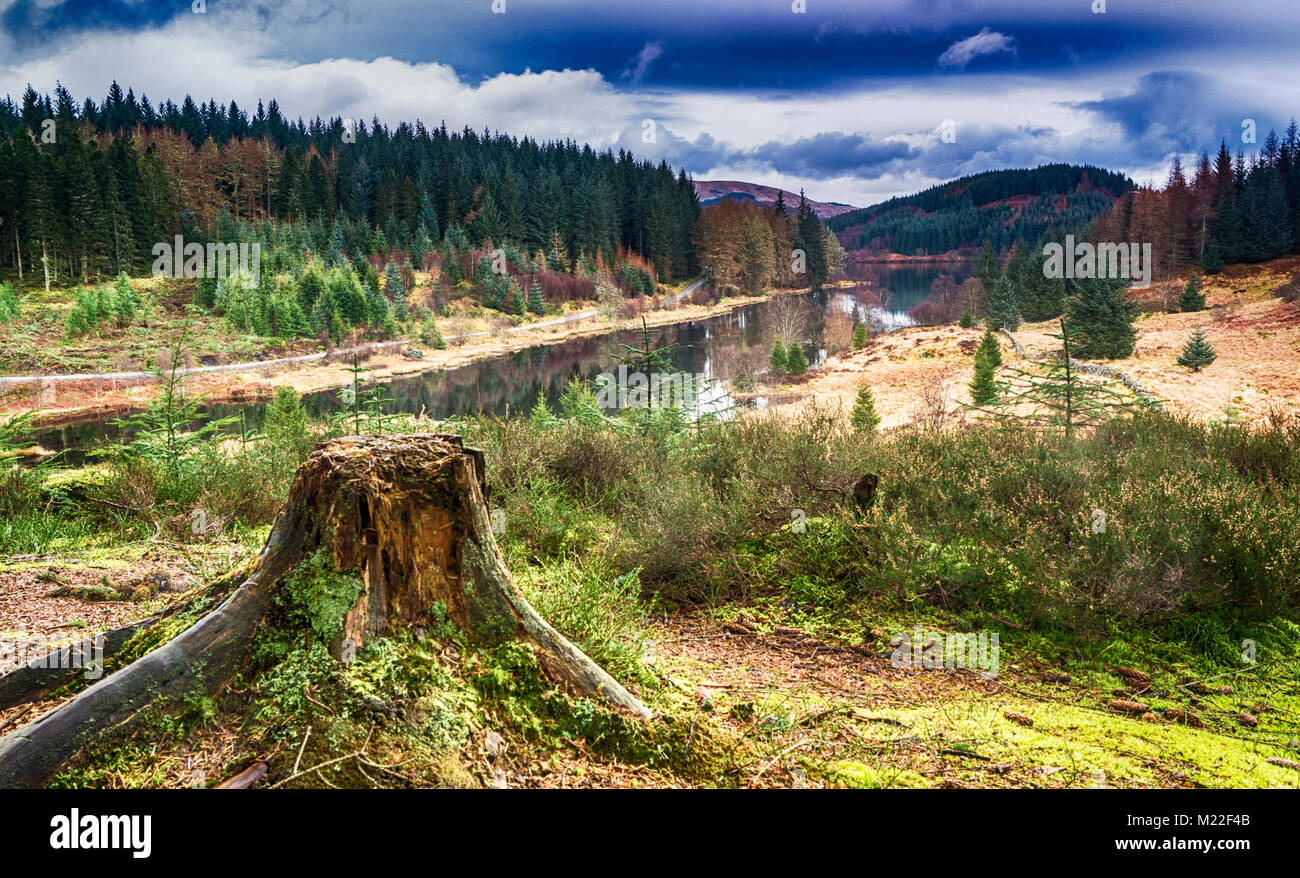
(99, 399)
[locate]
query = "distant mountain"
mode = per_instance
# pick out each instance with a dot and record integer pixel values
(713, 191)
(1001, 206)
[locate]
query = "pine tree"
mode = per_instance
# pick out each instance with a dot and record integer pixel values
(1060, 395)
(1197, 353)
(776, 363)
(536, 304)
(1102, 317)
(1004, 307)
(989, 348)
(983, 386)
(864, 417)
(514, 300)
(1192, 299)
(795, 361)
(859, 335)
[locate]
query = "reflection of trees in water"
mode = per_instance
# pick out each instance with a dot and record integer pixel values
(732, 346)
(900, 288)
(789, 318)
(738, 363)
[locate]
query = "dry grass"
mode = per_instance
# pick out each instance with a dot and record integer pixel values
(1256, 336)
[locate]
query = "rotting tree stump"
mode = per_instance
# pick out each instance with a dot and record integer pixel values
(408, 515)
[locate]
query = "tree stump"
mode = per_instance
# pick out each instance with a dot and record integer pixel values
(408, 515)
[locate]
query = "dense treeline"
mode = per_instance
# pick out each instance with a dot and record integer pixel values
(1005, 207)
(1233, 209)
(747, 247)
(88, 190)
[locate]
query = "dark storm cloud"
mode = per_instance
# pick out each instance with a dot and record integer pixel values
(834, 154)
(825, 155)
(35, 22)
(721, 45)
(1171, 111)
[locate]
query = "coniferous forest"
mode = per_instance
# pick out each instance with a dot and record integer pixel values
(1004, 207)
(89, 188)
(1231, 208)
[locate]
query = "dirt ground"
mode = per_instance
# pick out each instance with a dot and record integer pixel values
(1255, 334)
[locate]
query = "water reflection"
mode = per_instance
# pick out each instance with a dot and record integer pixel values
(733, 348)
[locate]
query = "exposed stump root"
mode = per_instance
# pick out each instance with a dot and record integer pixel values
(408, 515)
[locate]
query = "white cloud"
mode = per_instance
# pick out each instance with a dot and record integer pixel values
(190, 56)
(639, 66)
(986, 42)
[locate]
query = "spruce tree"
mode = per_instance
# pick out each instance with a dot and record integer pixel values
(989, 348)
(1197, 353)
(431, 334)
(776, 363)
(983, 386)
(859, 335)
(1192, 298)
(1004, 306)
(1060, 395)
(988, 357)
(514, 300)
(986, 267)
(795, 361)
(809, 238)
(1212, 261)
(125, 301)
(864, 418)
(536, 304)
(9, 307)
(394, 289)
(1102, 317)
(1038, 296)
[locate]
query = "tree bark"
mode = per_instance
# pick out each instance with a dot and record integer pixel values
(409, 515)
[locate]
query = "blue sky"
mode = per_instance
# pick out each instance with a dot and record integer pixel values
(850, 100)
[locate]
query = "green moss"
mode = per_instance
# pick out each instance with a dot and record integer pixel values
(316, 597)
(861, 776)
(281, 692)
(514, 687)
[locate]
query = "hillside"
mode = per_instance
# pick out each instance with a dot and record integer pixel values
(124, 176)
(1002, 206)
(713, 191)
(1254, 330)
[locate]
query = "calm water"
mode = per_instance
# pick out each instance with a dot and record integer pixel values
(905, 286)
(733, 347)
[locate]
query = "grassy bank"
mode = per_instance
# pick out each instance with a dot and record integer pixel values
(724, 572)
